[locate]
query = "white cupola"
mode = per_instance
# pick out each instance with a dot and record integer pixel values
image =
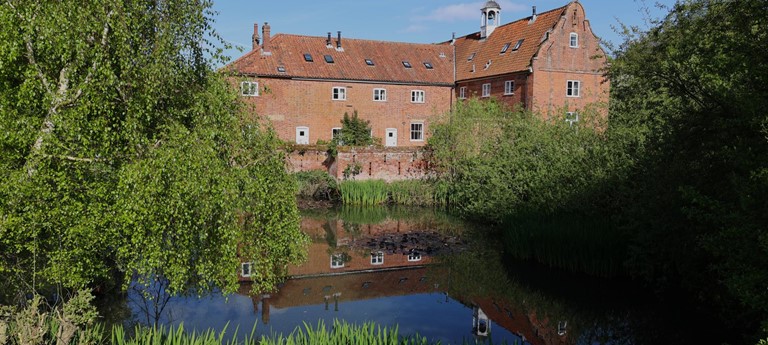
(491, 17)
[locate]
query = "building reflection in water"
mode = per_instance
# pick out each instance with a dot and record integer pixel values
(353, 262)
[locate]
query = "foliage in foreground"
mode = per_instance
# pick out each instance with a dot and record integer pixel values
(316, 185)
(697, 199)
(122, 153)
(75, 323)
(681, 166)
(494, 161)
(71, 323)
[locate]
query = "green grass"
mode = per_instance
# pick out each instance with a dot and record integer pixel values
(364, 193)
(378, 192)
(339, 333)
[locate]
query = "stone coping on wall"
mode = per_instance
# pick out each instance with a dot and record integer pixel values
(356, 149)
(371, 162)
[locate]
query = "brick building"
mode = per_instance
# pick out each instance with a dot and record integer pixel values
(304, 85)
(549, 62)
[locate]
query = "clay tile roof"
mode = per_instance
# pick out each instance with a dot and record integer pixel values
(287, 51)
(531, 32)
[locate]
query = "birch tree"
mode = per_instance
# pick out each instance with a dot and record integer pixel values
(122, 152)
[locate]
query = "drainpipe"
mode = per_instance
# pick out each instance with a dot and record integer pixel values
(453, 88)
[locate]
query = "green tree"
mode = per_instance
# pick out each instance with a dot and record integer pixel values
(124, 153)
(693, 91)
(495, 162)
(354, 131)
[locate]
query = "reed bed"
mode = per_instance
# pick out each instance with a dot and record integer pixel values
(378, 192)
(345, 333)
(31, 326)
(416, 193)
(364, 193)
(339, 333)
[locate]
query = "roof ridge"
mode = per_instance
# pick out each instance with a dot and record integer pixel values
(561, 8)
(362, 40)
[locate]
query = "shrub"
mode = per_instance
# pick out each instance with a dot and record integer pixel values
(317, 185)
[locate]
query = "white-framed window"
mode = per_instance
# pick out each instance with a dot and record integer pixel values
(487, 90)
(339, 93)
(249, 88)
(417, 96)
(573, 88)
(574, 42)
(509, 87)
(302, 135)
(335, 132)
(414, 256)
(245, 269)
(571, 117)
(337, 260)
(417, 131)
(380, 95)
(463, 92)
(377, 258)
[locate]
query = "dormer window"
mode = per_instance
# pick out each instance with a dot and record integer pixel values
(407, 64)
(471, 57)
(428, 65)
(518, 44)
(308, 57)
(504, 48)
(328, 58)
(281, 69)
(369, 62)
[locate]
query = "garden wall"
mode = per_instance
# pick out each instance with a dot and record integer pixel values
(366, 163)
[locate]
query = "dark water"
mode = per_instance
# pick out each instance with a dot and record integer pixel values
(427, 273)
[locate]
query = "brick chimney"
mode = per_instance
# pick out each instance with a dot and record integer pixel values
(255, 37)
(265, 44)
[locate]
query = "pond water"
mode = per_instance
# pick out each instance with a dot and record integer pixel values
(428, 273)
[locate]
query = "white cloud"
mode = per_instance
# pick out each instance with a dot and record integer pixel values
(414, 28)
(468, 11)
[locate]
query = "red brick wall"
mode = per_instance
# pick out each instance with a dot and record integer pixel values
(389, 164)
(376, 163)
(292, 103)
(475, 89)
(310, 158)
(558, 62)
(544, 90)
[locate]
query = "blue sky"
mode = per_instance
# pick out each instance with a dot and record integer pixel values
(419, 21)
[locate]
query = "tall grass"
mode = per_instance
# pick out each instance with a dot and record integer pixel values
(178, 336)
(345, 333)
(340, 333)
(377, 192)
(416, 193)
(364, 193)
